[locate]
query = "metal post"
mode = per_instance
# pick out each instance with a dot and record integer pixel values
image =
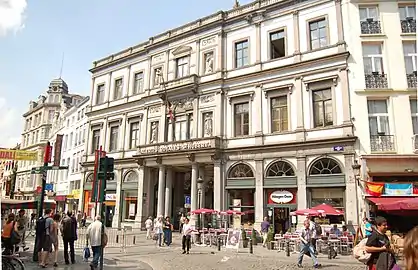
(329, 251)
(47, 157)
(287, 248)
(251, 245)
(101, 197)
(219, 244)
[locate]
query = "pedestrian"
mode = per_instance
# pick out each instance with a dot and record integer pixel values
(182, 221)
(148, 226)
(22, 225)
(367, 227)
(94, 235)
(317, 232)
(187, 234)
(168, 229)
(84, 220)
(306, 237)
(378, 245)
(54, 236)
(79, 218)
(265, 226)
(6, 236)
(158, 230)
(411, 249)
(69, 235)
(43, 234)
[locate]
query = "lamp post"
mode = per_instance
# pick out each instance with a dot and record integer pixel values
(356, 171)
(199, 197)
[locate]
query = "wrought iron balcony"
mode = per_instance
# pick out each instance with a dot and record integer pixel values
(382, 143)
(412, 79)
(409, 25)
(370, 26)
(376, 80)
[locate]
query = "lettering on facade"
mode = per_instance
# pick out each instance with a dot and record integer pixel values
(155, 109)
(158, 58)
(207, 98)
(281, 196)
(186, 146)
(208, 41)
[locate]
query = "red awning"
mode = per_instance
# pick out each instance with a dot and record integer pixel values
(385, 200)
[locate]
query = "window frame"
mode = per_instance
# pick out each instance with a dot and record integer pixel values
(117, 94)
(413, 56)
(407, 7)
(93, 149)
(272, 32)
(185, 67)
(279, 94)
(368, 7)
(373, 57)
(378, 115)
(414, 116)
(235, 133)
(100, 88)
(327, 31)
(131, 131)
(113, 145)
(136, 91)
(323, 102)
(235, 59)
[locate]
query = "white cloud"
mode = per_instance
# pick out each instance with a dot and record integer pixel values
(11, 16)
(10, 125)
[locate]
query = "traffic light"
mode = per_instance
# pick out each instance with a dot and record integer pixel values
(106, 168)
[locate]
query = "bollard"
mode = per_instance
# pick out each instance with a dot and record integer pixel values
(288, 248)
(251, 246)
(134, 240)
(219, 244)
(329, 251)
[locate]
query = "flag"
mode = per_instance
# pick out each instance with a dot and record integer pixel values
(399, 189)
(374, 188)
(170, 111)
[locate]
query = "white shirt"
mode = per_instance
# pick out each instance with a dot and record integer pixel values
(187, 229)
(94, 233)
(158, 227)
(148, 223)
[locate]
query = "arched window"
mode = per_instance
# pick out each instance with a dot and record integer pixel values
(325, 166)
(131, 177)
(241, 171)
(280, 168)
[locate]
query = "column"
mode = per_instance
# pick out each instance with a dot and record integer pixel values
(352, 213)
(345, 90)
(116, 221)
(161, 190)
(217, 185)
(203, 198)
(259, 200)
(257, 43)
(139, 218)
(193, 190)
(338, 12)
(296, 36)
(300, 136)
(301, 182)
(168, 192)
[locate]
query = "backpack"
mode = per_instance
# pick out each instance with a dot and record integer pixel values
(359, 252)
(41, 227)
(318, 229)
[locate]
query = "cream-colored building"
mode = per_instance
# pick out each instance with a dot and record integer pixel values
(383, 89)
(246, 108)
(38, 122)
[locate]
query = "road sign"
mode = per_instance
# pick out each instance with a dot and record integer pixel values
(49, 186)
(56, 167)
(338, 148)
(187, 200)
(37, 170)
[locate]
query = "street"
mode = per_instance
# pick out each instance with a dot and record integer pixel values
(145, 255)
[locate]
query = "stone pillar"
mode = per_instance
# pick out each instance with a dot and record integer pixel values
(161, 190)
(168, 192)
(352, 213)
(345, 92)
(259, 198)
(139, 218)
(296, 36)
(301, 182)
(257, 43)
(203, 198)
(117, 219)
(339, 14)
(193, 190)
(217, 184)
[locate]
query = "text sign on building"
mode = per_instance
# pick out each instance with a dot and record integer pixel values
(281, 196)
(18, 155)
(183, 146)
(57, 150)
(338, 148)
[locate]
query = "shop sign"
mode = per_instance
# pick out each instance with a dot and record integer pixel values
(281, 196)
(18, 155)
(76, 194)
(174, 147)
(110, 197)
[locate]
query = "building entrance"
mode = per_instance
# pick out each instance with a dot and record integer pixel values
(281, 219)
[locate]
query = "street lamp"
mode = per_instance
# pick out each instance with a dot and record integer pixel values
(199, 196)
(356, 171)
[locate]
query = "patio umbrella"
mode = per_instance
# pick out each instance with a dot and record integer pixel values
(409, 204)
(203, 211)
(7, 204)
(305, 212)
(327, 210)
(231, 212)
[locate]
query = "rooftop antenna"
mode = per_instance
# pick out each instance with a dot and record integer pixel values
(236, 5)
(62, 64)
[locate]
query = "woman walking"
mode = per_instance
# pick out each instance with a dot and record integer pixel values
(54, 236)
(187, 234)
(168, 229)
(158, 230)
(6, 236)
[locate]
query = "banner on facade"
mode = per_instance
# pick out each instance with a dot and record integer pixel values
(399, 189)
(18, 155)
(57, 150)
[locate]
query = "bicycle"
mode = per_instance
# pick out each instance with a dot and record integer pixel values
(10, 262)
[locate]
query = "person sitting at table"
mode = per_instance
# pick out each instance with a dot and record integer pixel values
(335, 230)
(345, 231)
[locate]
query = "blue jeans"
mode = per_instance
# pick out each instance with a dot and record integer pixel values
(159, 238)
(307, 248)
(167, 237)
(96, 255)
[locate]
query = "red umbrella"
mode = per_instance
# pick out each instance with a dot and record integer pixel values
(203, 211)
(405, 204)
(230, 212)
(327, 210)
(305, 212)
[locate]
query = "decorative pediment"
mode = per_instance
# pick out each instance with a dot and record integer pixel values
(182, 50)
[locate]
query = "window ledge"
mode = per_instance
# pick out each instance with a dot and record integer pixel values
(408, 35)
(380, 35)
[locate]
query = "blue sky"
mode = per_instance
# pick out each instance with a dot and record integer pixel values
(35, 33)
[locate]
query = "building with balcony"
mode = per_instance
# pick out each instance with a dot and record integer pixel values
(37, 131)
(383, 90)
(68, 137)
(246, 108)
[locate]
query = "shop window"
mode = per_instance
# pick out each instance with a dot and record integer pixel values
(280, 168)
(325, 166)
(130, 204)
(241, 171)
(330, 196)
(131, 177)
(243, 200)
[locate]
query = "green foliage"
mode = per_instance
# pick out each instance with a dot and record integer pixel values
(270, 235)
(254, 237)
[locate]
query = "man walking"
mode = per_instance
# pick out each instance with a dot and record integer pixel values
(265, 226)
(306, 237)
(69, 235)
(94, 235)
(22, 225)
(44, 242)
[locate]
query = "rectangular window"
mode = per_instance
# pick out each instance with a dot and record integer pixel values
(182, 67)
(100, 98)
(318, 34)
(84, 134)
(71, 141)
(183, 127)
(279, 114)
(95, 140)
(277, 44)
(322, 106)
(373, 59)
(241, 54)
(369, 20)
(50, 116)
(378, 117)
(113, 144)
(134, 135)
(158, 76)
(118, 91)
(76, 137)
(242, 119)
(407, 13)
(410, 56)
(138, 83)
(414, 113)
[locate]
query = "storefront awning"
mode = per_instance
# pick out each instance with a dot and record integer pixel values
(385, 200)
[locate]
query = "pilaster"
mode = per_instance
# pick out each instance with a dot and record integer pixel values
(259, 198)
(296, 36)
(116, 222)
(301, 182)
(345, 92)
(300, 126)
(257, 43)
(139, 218)
(203, 198)
(217, 184)
(352, 213)
(339, 14)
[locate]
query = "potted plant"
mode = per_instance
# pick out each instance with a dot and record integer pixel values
(244, 238)
(270, 238)
(254, 237)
